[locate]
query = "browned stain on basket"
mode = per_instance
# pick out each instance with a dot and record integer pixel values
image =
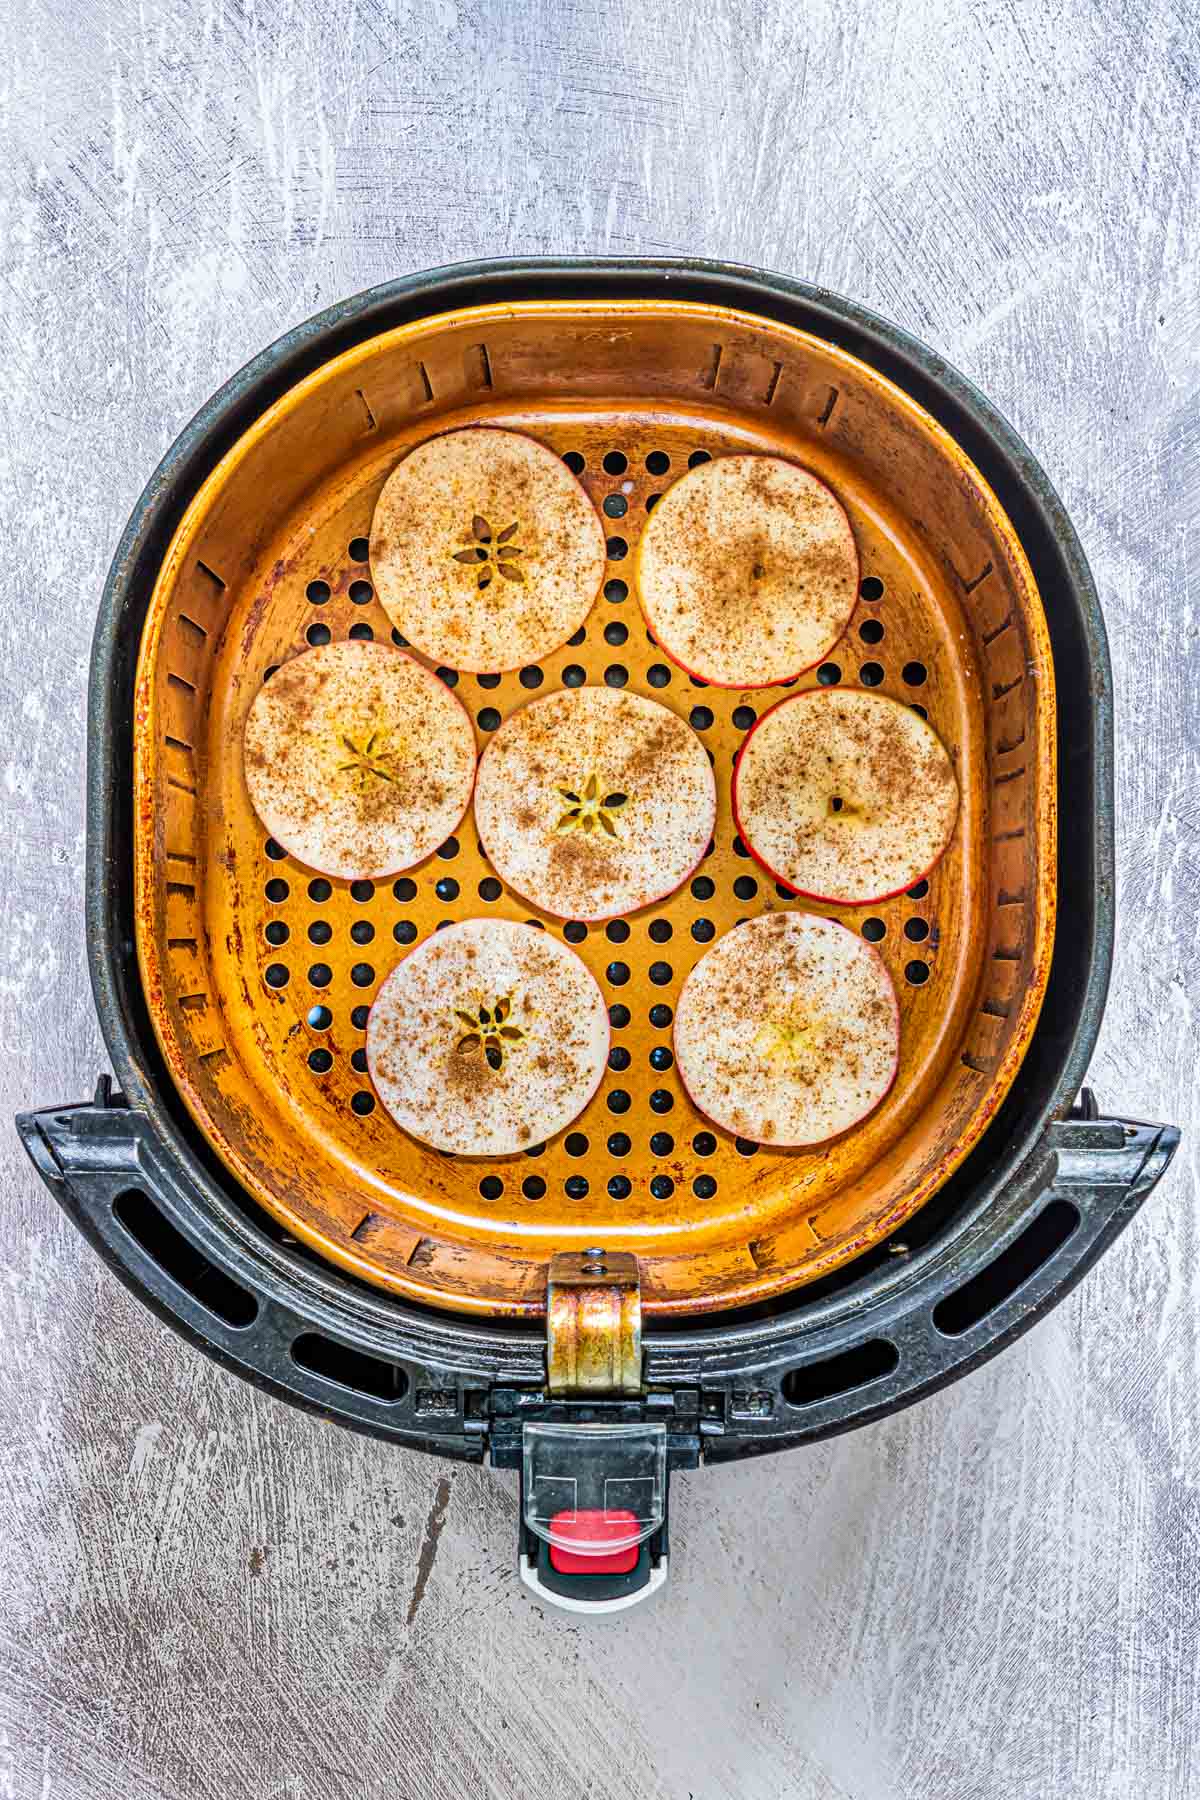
(714, 1223)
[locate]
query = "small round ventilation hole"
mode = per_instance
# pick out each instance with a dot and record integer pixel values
(704, 1143)
(661, 931)
(618, 1144)
(578, 638)
(615, 506)
(318, 635)
(697, 457)
(320, 931)
(704, 1187)
(871, 674)
(744, 717)
(660, 1016)
(362, 1103)
(662, 1187)
(359, 1016)
(871, 588)
(652, 501)
(745, 887)
(619, 1187)
(618, 1101)
(739, 849)
(829, 674)
(275, 851)
(661, 1058)
(661, 1143)
(920, 710)
(576, 1144)
(574, 676)
(276, 975)
(616, 931)
(446, 889)
(575, 462)
(657, 463)
(320, 1018)
(449, 676)
(615, 592)
(318, 592)
(618, 1016)
(447, 851)
(320, 975)
(873, 930)
(916, 930)
(491, 1187)
(362, 891)
(615, 463)
(360, 592)
(405, 889)
(615, 633)
(661, 973)
(277, 932)
(618, 1059)
(617, 549)
(916, 973)
(404, 931)
(531, 676)
(658, 675)
(575, 931)
(871, 631)
(918, 890)
(745, 1146)
(362, 633)
(616, 675)
(533, 1187)
(358, 1061)
(700, 718)
(273, 670)
(362, 975)
(703, 930)
(488, 681)
(489, 719)
(662, 1100)
(398, 638)
(319, 890)
(617, 973)
(320, 1062)
(359, 550)
(913, 674)
(575, 1187)
(703, 888)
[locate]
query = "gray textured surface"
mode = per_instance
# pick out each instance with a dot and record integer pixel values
(991, 1597)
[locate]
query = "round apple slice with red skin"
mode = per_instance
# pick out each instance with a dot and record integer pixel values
(488, 1037)
(358, 760)
(594, 802)
(787, 1030)
(747, 571)
(486, 552)
(845, 795)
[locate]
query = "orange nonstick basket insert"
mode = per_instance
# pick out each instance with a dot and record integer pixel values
(259, 973)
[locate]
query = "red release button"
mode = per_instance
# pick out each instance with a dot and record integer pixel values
(591, 1525)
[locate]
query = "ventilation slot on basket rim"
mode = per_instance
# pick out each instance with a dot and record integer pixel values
(179, 1259)
(351, 1369)
(840, 1374)
(1041, 1239)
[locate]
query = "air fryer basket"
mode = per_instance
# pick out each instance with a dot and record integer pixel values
(1046, 1187)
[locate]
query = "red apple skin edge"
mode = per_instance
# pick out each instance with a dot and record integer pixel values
(386, 874)
(483, 425)
(817, 1143)
(571, 1123)
(607, 918)
(764, 865)
(751, 687)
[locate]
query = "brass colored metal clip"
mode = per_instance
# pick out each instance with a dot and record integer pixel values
(594, 1323)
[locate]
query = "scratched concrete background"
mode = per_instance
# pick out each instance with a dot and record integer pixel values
(210, 1597)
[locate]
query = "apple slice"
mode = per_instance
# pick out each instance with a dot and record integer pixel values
(486, 551)
(844, 795)
(787, 1031)
(358, 760)
(595, 801)
(488, 1037)
(747, 571)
